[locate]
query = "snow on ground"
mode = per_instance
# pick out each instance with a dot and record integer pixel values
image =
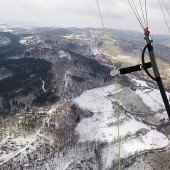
(26, 40)
(12, 146)
(140, 82)
(96, 100)
(5, 29)
(162, 115)
(30, 40)
(102, 126)
(17, 145)
(43, 84)
(23, 41)
(63, 54)
(4, 41)
(152, 140)
(153, 98)
(135, 135)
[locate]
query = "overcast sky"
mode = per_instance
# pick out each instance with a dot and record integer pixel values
(81, 13)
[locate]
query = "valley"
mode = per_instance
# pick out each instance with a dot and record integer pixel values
(60, 109)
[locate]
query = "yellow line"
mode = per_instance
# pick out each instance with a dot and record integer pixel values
(116, 81)
(106, 36)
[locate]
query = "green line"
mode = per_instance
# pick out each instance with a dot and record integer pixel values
(116, 82)
(135, 13)
(100, 14)
(118, 122)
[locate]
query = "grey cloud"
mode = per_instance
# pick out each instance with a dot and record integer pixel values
(80, 13)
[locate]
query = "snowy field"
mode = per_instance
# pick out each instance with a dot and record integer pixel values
(96, 134)
(151, 97)
(135, 135)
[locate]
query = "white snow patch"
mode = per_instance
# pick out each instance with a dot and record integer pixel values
(63, 54)
(153, 98)
(20, 144)
(23, 41)
(4, 41)
(102, 125)
(140, 82)
(67, 80)
(43, 84)
(152, 140)
(162, 116)
(96, 100)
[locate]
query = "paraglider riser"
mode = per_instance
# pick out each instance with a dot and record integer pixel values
(152, 65)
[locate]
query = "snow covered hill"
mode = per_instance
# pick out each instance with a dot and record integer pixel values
(13, 28)
(103, 125)
(66, 110)
(84, 133)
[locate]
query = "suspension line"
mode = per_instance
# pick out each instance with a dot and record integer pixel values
(117, 99)
(146, 14)
(164, 16)
(166, 8)
(145, 24)
(134, 9)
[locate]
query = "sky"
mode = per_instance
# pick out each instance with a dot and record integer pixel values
(82, 13)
